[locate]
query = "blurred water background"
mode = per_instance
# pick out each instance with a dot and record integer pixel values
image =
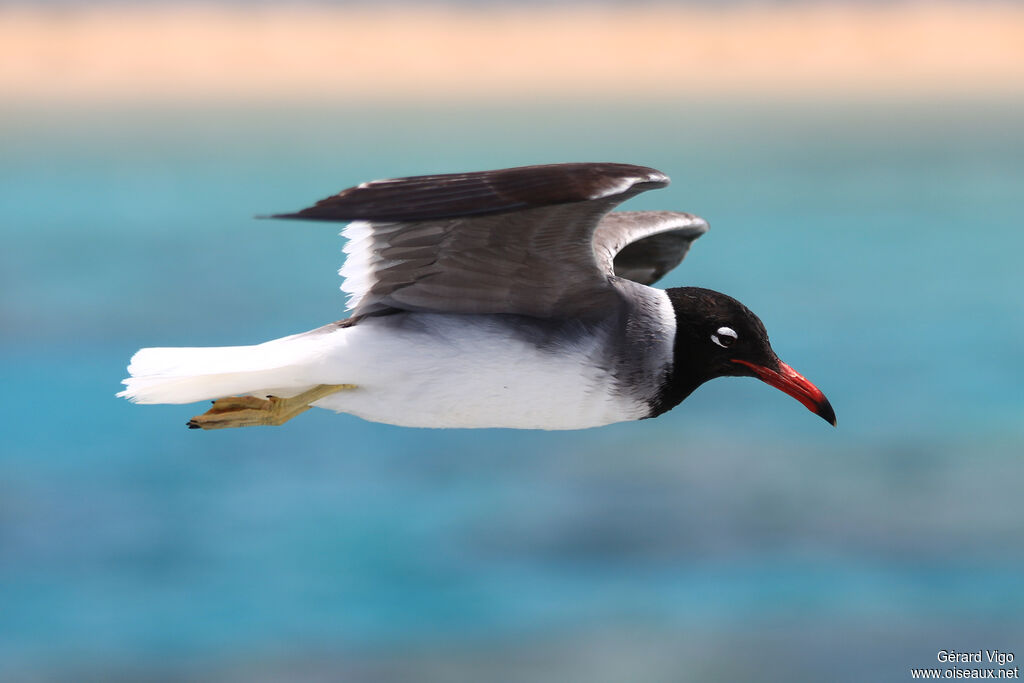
(736, 538)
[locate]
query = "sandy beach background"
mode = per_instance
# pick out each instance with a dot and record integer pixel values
(313, 53)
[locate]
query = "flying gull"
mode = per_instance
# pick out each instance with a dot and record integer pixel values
(511, 298)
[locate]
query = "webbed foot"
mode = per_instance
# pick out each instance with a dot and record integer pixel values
(250, 411)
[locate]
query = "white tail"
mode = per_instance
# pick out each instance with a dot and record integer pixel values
(185, 375)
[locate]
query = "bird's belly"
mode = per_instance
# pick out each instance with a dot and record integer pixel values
(445, 373)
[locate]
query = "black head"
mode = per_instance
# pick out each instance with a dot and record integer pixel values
(717, 336)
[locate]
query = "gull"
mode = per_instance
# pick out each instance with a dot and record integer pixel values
(515, 298)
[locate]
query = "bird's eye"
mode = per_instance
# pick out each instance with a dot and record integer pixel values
(724, 336)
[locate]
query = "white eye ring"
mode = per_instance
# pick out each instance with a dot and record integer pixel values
(724, 336)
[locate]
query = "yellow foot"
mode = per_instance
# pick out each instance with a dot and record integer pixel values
(249, 411)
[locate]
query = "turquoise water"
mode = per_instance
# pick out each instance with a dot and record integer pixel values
(736, 538)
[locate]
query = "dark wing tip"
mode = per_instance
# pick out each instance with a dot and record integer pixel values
(305, 214)
(486, 192)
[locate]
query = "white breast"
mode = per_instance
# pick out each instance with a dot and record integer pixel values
(439, 370)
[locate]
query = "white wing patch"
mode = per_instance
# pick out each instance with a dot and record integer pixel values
(360, 261)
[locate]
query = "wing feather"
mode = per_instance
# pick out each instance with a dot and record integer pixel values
(534, 240)
(644, 245)
(473, 194)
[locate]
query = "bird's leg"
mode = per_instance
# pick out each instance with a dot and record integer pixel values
(249, 411)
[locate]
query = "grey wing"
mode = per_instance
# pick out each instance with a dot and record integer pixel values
(644, 245)
(509, 241)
